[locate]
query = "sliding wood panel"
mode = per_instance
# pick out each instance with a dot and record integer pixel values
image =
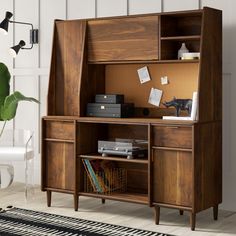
(118, 39)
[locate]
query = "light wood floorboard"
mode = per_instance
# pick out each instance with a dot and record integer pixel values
(126, 214)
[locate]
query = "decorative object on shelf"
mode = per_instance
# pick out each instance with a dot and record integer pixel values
(110, 105)
(110, 110)
(179, 104)
(33, 34)
(109, 98)
(9, 103)
(143, 75)
(182, 50)
(190, 56)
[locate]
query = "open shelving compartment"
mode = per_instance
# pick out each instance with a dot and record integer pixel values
(178, 29)
(136, 170)
(123, 79)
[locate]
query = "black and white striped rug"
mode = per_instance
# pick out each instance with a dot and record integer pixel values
(16, 221)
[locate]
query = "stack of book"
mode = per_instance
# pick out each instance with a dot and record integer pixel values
(103, 177)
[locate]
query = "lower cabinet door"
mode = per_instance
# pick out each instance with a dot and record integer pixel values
(60, 165)
(172, 177)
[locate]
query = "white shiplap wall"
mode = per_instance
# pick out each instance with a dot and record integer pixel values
(31, 68)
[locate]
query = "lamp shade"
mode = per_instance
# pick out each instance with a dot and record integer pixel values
(15, 49)
(5, 22)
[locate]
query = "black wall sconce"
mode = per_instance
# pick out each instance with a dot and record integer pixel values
(33, 34)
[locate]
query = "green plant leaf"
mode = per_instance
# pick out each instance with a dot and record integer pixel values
(4, 85)
(9, 108)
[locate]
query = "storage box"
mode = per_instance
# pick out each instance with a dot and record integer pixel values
(110, 110)
(109, 98)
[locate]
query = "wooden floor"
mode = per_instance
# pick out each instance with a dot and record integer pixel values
(126, 214)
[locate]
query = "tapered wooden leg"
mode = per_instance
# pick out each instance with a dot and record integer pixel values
(192, 220)
(76, 202)
(49, 198)
(157, 215)
(103, 201)
(215, 212)
(181, 212)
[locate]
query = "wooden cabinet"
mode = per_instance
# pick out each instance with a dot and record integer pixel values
(60, 168)
(172, 177)
(172, 160)
(58, 156)
(182, 168)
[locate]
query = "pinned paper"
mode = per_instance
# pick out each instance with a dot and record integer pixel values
(164, 80)
(155, 97)
(143, 75)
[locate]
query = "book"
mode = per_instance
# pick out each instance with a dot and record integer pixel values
(89, 176)
(93, 176)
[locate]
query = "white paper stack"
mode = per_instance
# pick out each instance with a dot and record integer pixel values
(193, 111)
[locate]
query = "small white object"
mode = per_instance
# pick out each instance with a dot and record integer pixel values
(164, 80)
(155, 97)
(191, 55)
(194, 106)
(182, 50)
(176, 118)
(143, 75)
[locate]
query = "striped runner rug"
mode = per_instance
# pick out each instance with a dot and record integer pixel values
(16, 221)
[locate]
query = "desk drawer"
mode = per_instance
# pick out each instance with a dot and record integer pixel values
(172, 136)
(60, 130)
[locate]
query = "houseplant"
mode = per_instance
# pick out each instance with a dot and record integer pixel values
(9, 102)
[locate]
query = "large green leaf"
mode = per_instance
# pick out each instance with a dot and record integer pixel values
(9, 108)
(4, 85)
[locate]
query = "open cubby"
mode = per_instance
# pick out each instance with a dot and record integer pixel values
(135, 178)
(181, 25)
(170, 47)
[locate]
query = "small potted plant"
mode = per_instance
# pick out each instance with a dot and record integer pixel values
(9, 102)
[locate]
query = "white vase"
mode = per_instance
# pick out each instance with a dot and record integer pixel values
(182, 50)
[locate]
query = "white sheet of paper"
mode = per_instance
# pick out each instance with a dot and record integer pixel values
(143, 75)
(164, 80)
(194, 106)
(155, 97)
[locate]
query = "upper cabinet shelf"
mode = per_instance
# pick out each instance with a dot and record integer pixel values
(181, 25)
(183, 38)
(177, 29)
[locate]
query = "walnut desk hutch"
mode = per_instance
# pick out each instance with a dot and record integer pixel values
(183, 167)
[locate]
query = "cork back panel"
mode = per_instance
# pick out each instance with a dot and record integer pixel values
(123, 79)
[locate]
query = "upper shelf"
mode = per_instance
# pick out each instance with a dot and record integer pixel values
(143, 62)
(184, 38)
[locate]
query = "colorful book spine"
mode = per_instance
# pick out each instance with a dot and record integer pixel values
(93, 176)
(88, 174)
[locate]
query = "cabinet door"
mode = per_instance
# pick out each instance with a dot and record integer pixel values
(172, 177)
(119, 39)
(60, 165)
(58, 154)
